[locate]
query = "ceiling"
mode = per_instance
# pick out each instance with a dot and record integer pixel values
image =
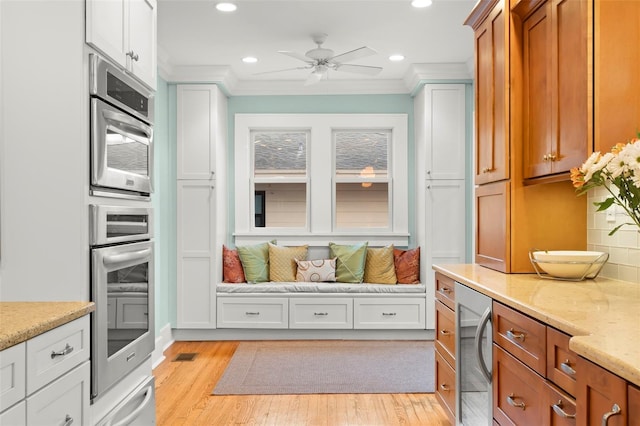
(197, 43)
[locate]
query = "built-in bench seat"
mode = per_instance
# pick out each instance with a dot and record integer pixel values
(306, 305)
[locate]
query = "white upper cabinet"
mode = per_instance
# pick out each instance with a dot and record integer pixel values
(201, 130)
(125, 31)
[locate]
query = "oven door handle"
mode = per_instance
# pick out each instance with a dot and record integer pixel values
(135, 413)
(116, 259)
(127, 123)
(484, 320)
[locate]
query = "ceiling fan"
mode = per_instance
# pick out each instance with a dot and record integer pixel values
(321, 60)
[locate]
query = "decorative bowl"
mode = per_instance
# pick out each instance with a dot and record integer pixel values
(568, 264)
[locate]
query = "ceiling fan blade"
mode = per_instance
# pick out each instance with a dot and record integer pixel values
(283, 70)
(359, 69)
(296, 56)
(313, 78)
(354, 54)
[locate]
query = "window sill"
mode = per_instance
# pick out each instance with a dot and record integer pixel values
(288, 238)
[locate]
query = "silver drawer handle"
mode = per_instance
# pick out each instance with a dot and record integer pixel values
(566, 367)
(557, 408)
(252, 313)
(444, 387)
(445, 290)
(68, 420)
(389, 314)
(133, 55)
(513, 335)
(513, 403)
(614, 411)
(445, 332)
(66, 351)
(321, 314)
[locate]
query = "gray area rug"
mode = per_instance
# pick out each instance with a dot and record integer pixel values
(306, 367)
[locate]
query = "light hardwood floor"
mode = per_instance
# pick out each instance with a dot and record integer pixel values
(183, 397)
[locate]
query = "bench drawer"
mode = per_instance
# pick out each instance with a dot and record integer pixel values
(389, 313)
(324, 313)
(253, 312)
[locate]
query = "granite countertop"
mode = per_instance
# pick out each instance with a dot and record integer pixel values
(602, 314)
(20, 321)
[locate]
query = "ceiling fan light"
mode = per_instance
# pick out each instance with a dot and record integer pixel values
(226, 7)
(396, 58)
(421, 3)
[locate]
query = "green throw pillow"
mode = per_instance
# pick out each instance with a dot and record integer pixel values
(255, 262)
(351, 261)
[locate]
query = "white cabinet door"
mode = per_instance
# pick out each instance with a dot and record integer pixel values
(322, 313)
(63, 402)
(107, 29)
(388, 313)
(444, 121)
(197, 275)
(13, 380)
(125, 31)
(197, 125)
(253, 312)
(142, 40)
(16, 415)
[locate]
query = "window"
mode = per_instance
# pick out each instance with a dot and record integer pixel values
(316, 178)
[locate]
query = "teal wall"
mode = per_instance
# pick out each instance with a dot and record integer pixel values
(327, 104)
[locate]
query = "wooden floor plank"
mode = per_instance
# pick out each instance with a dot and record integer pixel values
(183, 397)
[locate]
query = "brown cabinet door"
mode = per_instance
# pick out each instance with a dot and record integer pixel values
(517, 391)
(445, 332)
(492, 136)
(445, 290)
(561, 361)
(493, 226)
(633, 398)
(601, 395)
(446, 386)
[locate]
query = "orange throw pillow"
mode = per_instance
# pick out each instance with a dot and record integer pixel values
(232, 271)
(407, 263)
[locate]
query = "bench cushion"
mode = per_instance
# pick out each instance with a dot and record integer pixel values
(304, 287)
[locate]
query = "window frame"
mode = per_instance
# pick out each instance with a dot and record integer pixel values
(321, 179)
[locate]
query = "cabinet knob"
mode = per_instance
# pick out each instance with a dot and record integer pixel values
(487, 170)
(545, 157)
(552, 157)
(133, 55)
(444, 387)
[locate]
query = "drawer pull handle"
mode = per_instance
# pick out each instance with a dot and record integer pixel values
(321, 314)
(252, 313)
(66, 351)
(557, 408)
(445, 290)
(566, 367)
(445, 387)
(68, 420)
(614, 411)
(513, 335)
(513, 403)
(445, 332)
(389, 314)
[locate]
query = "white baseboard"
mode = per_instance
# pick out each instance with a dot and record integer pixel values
(163, 341)
(262, 334)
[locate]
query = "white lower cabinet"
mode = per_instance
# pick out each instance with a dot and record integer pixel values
(63, 402)
(378, 313)
(46, 380)
(323, 313)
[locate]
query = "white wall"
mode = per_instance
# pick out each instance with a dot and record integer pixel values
(623, 247)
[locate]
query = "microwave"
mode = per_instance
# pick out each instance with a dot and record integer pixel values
(121, 132)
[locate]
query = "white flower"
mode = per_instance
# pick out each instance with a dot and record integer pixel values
(590, 162)
(616, 166)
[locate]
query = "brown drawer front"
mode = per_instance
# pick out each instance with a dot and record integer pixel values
(445, 290)
(561, 408)
(561, 362)
(446, 386)
(445, 332)
(521, 336)
(633, 394)
(517, 391)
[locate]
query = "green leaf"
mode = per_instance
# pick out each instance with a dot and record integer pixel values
(613, 231)
(603, 205)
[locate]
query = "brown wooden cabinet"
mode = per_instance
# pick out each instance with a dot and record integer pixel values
(616, 77)
(556, 93)
(445, 344)
(601, 396)
(633, 398)
(490, 22)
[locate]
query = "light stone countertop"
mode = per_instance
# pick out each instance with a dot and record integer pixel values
(21, 321)
(602, 314)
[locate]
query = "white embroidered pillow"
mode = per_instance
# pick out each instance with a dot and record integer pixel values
(316, 270)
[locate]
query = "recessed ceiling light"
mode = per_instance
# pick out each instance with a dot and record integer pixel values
(226, 7)
(396, 58)
(249, 60)
(421, 3)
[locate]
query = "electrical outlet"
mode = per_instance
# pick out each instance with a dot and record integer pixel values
(611, 213)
